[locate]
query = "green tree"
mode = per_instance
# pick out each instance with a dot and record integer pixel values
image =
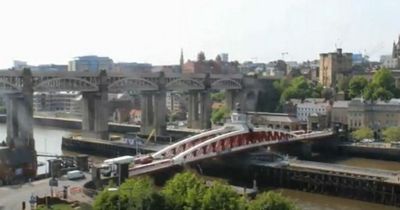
(223, 197)
(362, 133)
(299, 88)
(218, 97)
(219, 114)
(391, 134)
(357, 85)
(384, 78)
(382, 86)
(184, 191)
(327, 93)
(137, 193)
(271, 201)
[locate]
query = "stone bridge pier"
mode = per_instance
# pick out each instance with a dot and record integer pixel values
(153, 112)
(95, 110)
(199, 110)
(20, 115)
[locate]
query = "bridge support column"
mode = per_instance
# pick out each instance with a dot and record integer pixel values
(20, 115)
(193, 110)
(95, 111)
(199, 112)
(205, 110)
(153, 112)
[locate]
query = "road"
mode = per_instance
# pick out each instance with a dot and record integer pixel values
(11, 197)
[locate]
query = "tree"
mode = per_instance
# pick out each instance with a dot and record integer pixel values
(221, 196)
(219, 114)
(219, 96)
(184, 191)
(362, 133)
(298, 88)
(384, 78)
(357, 85)
(327, 93)
(382, 86)
(137, 193)
(391, 134)
(271, 201)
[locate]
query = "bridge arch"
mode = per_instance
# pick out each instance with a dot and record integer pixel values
(65, 84)
(185, 84)
(131, 83)
(6, 87)
(231, 142)
(226, 84)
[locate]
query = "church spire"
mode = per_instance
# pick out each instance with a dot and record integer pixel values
(181, 61)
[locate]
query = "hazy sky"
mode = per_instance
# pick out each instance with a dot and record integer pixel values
(54, 31)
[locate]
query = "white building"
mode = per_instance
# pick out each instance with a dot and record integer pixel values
(305, 109)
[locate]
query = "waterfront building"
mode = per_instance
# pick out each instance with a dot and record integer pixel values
(339, 113)
(175, 102)
(275, 120)
(334, 66)
(90, 63)
(315, 113)
(377, 115)
(63, 101)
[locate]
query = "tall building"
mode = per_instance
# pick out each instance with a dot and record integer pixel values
(333, 66)
(224, 57)
(90, 63)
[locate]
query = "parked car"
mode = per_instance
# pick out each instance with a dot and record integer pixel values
(76, 174)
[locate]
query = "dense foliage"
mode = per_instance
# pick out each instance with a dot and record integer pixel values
(381, 87)
(391, 134)
(362, 133)
(185, 191)
(271, 201)
(217, 115)
(300, 88)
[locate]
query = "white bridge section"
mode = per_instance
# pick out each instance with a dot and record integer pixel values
(173, 149)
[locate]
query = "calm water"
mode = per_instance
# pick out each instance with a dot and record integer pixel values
(48, 140)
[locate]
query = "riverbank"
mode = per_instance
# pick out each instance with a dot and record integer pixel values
(76, 124)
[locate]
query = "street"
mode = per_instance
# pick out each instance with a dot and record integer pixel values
(11, 196)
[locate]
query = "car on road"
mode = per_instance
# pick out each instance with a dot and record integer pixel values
(75, 174)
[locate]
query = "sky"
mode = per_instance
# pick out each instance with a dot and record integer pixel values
(154, 31)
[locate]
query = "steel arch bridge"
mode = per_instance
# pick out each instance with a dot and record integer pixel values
(233, 137)
(11, 81)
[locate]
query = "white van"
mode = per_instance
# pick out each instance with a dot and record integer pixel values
(76, 174)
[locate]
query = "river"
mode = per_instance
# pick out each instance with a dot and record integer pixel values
(48, 141)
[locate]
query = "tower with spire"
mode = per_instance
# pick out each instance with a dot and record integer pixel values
(181, 61)
(396, 49)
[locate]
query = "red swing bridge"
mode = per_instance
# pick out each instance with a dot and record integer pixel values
(238, 135)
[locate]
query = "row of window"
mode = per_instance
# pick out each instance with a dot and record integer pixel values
(299, 109)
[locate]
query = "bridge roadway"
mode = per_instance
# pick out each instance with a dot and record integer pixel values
(235, 136)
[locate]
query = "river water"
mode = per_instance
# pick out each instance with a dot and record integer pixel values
(48, 141)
